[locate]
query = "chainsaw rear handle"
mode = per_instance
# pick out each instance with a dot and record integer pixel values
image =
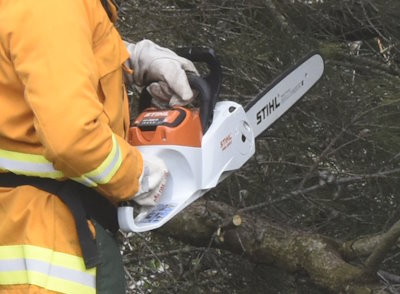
(208, 86)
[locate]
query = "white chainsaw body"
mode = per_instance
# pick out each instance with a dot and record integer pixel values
(227, 144)
(225, 147)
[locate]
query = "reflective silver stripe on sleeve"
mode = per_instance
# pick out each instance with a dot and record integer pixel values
(106, 170)
(103, 177)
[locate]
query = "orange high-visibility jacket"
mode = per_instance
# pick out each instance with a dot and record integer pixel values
(63, 114)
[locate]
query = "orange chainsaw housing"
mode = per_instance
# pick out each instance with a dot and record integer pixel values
(176, 126)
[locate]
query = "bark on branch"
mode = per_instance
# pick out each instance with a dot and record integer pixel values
(264, 242)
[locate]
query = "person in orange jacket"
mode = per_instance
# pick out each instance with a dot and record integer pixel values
(63, 151)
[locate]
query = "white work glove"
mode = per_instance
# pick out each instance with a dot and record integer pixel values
(152, 181)
(162, 71)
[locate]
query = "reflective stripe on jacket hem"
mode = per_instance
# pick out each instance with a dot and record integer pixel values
(56, 271)
(37, 165)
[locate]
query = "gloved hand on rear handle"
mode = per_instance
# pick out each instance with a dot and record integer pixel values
(162, 71)
(152, 181)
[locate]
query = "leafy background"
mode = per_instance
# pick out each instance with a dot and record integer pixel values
(329, 166)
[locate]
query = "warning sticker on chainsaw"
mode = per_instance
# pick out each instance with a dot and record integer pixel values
(158, 213)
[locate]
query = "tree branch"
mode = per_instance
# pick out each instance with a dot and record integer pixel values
(265, 242)
(389, 239)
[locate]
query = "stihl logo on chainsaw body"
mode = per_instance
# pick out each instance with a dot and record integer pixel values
(270, 107)
(226, 142)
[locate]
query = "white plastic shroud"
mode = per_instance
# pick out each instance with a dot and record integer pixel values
(226, 146)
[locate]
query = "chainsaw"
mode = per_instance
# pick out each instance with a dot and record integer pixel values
(201, 146)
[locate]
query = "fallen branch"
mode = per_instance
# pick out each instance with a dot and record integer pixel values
(389, 239)
(264, 242)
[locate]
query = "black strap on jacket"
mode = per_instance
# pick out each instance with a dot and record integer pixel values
(107, 8)
(83, 202)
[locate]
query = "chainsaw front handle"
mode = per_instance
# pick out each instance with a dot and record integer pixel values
(203, 90)
(213, 79)
(207, 86)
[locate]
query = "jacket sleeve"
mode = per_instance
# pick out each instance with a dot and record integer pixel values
(52, 51)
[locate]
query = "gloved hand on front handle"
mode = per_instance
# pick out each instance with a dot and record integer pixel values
(162, 71)
(152, 181)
